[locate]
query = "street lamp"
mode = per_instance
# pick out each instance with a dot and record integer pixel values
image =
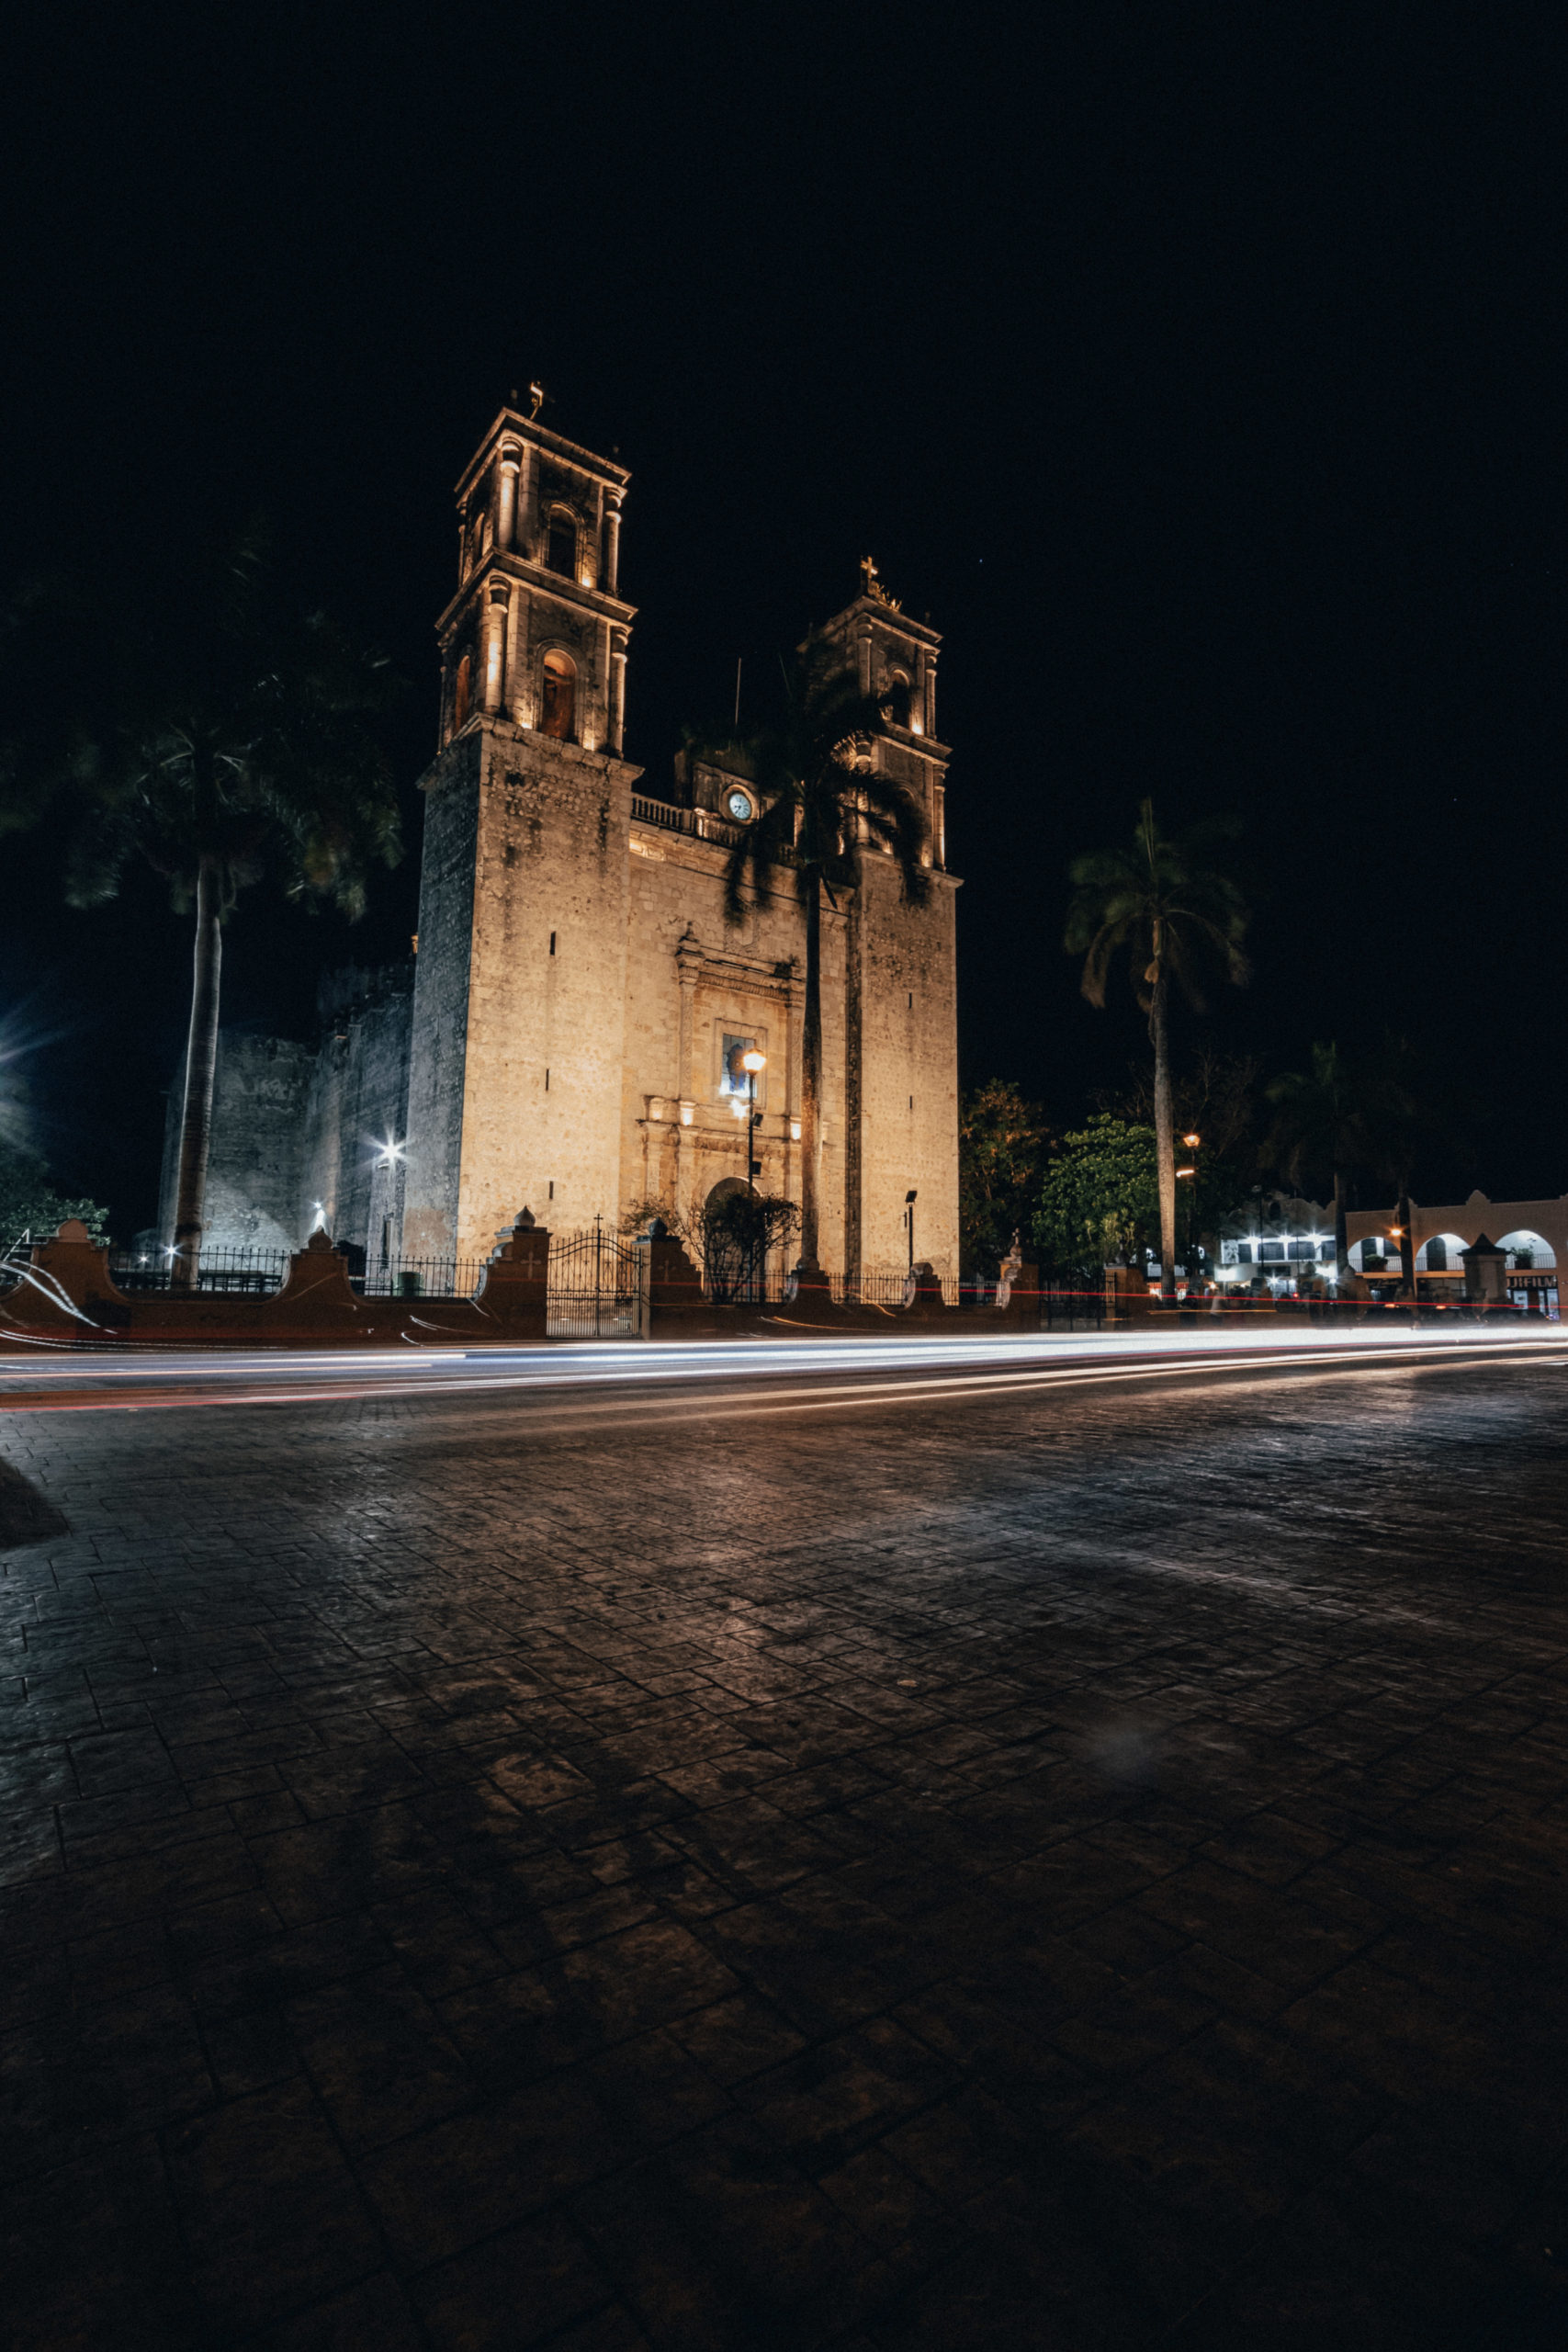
(909, 1200)
(1189, 1175)
(751, 1061)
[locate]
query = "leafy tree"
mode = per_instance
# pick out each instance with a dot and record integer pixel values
(1218, 1102)
(29, 1203)
(740, 1231)
(820, 801)
(1100, 1196)
(639, 1215)
(1168, 903)
(240, 739)
(1002, 1146)
(1324, 1119)
(1217, 1099)
(731, 1238)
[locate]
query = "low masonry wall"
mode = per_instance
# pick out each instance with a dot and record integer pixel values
(678, 1308)
(68, 1298)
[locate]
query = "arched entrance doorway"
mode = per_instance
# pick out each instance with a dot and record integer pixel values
(743, 1236)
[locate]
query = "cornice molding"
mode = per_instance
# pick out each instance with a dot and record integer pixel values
(539, 437)
(505, 563)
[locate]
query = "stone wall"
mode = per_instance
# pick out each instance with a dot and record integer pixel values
(356, 1106)
(907, 1126)
(257, 1146)
(295, 1123)
(543, 1053)
(692, 978)
(574, 994)
(439, 1039)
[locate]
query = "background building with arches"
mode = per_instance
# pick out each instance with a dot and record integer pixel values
(1533, 1234)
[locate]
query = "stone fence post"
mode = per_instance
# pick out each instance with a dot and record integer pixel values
(514, 1286)
(671, 1286)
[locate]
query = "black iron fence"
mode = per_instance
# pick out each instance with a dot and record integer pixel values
(402, 1277)
(595, 1286)
(1070, 1307)
(889, 1286)
(254, 1273)
(595, 1283)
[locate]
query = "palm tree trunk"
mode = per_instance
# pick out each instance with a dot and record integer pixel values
(1406, 1240)
(1341, 1232)
(1165, 1138)
(811, 1077)
(201, 1067)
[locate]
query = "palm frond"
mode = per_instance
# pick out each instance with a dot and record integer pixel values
(1160, 888)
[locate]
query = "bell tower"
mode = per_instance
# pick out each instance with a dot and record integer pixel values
(519, 988)
(901, 982)
(537, 633)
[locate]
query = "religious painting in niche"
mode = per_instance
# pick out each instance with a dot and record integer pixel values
(559, 715)
(734, 1078)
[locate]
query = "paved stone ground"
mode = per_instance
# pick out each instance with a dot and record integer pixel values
(1079, 1874)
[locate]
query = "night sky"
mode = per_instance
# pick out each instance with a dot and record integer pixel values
(1197, 368)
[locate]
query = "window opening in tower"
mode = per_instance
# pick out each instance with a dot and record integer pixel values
(559, 714)
(561, 551)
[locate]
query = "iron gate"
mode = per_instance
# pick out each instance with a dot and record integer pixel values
(595, 1287)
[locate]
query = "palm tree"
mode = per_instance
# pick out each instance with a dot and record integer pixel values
(1321, 1127)
(1168, 904)
(248, 746)
(820, 801)
(1398, 1125)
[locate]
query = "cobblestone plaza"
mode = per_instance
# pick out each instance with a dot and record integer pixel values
(1080, 1874)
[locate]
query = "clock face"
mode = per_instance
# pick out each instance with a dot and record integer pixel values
(739, 807)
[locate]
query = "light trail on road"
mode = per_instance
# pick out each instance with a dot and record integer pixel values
(736, 1377)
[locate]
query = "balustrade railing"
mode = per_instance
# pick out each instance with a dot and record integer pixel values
(698, 824)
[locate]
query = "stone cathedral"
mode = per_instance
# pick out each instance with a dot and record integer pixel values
(570, 1033)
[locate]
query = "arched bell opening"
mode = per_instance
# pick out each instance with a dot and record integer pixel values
(558, 698)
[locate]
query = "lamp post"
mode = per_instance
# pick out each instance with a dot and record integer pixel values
(909, 1200)
(751, 1061)
(1190, 1175)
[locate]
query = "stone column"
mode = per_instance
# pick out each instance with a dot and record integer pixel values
(928, 669)
(617, 712)
(612, 542)
(497, 598)
(523, 520)
(519, 653)
(506, 510)
(688, 968)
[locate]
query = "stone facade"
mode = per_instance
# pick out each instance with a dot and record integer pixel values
(300, 1131)
(577, 988)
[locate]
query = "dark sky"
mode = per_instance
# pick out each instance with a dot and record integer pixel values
(1199, 369)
